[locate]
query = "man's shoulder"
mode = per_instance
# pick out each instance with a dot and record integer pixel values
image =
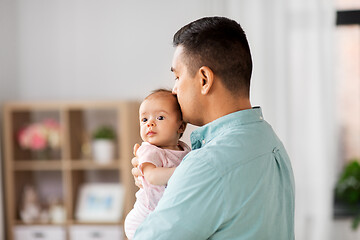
(234, 147)
(211, 159)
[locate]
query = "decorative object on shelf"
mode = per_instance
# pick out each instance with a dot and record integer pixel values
(86, 146)
(40, 136)
(30, 210)
(100, 202)
(56, 212)
(44, 216)
(103, 145)
(347, 191)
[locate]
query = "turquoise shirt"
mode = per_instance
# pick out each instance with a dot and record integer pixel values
(236, 183)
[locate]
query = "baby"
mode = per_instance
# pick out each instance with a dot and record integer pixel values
(161, 127)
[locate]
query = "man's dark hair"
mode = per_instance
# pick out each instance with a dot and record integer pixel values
(220, 44)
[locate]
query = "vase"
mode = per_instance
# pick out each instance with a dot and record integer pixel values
(43, 154)
(46, 154)
(103, 151)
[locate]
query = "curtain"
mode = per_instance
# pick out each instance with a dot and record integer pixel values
(293, 80)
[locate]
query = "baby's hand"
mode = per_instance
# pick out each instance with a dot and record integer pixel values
(135, 171)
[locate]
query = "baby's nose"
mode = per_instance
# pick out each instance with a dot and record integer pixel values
(151, 124)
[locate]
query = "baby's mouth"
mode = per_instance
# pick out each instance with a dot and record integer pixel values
(150, 133)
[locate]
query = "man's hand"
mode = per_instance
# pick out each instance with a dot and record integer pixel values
(135, 171)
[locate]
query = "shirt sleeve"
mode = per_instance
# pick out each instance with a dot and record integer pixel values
(148, 153)
(191, 207)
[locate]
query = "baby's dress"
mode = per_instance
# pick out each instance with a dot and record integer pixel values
(148, 197)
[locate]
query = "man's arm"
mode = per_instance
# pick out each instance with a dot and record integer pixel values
(156, 175)
(191, 208)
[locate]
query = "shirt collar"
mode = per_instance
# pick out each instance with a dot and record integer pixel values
(202, 135)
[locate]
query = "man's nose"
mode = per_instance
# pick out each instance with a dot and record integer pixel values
(174, 90)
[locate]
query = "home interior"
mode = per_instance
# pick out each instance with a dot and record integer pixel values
(87, 64)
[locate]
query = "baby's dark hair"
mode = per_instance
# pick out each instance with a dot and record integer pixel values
(167, 92)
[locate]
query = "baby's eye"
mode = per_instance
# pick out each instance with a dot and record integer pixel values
(144, 120)
(160, 118)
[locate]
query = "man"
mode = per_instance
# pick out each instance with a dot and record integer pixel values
(237, 182)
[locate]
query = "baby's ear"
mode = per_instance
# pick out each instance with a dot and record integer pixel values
(182, 127)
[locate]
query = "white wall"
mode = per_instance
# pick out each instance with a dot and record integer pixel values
(8, 73)
(8, 49)
(90, 49)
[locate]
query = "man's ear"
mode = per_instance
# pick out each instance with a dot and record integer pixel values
(206, 78)
(182, 127)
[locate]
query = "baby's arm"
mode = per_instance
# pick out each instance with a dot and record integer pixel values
(157, 175)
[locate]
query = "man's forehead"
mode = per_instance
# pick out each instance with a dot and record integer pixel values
(177, 58)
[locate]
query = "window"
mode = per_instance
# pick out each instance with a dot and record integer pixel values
(348, 79)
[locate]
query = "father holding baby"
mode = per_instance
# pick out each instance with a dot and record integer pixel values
(237, 182)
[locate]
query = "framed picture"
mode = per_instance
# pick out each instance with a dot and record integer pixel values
(100, 202)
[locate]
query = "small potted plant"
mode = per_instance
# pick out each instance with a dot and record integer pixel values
(103, 145)
(347, 192)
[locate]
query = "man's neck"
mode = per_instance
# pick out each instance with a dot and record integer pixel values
(224, 107)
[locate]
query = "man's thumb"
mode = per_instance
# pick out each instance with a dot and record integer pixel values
(136, 147)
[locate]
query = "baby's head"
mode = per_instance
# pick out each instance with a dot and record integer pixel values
(161, 121)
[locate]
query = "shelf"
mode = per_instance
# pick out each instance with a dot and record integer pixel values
(60, 174)
(37, 165)
(91, 165)
(75, 222)
(21, 223)
(51, 165)
(68, 222)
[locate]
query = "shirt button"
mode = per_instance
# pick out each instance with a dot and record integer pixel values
(261, 118)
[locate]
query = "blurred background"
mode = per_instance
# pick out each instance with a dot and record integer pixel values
(306, 74)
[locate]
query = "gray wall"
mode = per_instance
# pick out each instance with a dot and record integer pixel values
(8, 49)
(8, 78)
(77, 49)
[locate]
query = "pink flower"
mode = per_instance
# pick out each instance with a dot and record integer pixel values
(38, 142)
(38, 136)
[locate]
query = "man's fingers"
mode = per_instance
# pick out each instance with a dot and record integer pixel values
(138, 184)
(135, 162)
(136, 147)
(136, 174)
(135, 171)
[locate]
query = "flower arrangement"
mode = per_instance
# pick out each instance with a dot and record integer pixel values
(40, 136)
